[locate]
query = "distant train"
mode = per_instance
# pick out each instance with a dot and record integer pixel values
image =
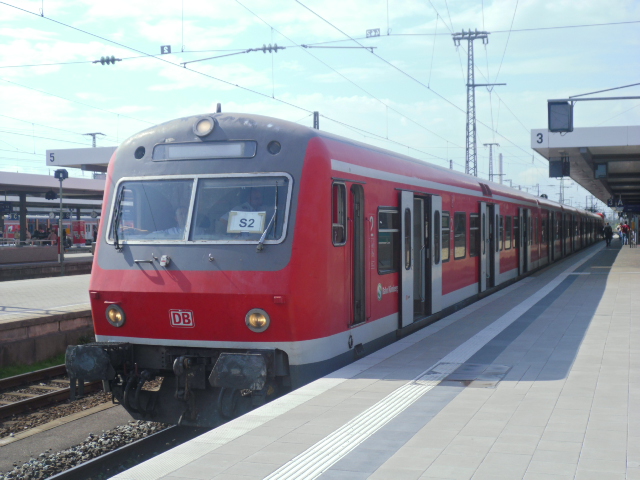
(243, 256)
(79, 232)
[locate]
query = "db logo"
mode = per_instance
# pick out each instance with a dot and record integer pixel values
(182, 318)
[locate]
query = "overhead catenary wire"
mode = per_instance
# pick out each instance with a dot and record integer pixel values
(513, 18)
(408, 75)
(343, 76)
(164, 60)
(217, 79)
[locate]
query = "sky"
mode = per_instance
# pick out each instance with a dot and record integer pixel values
(404, 90)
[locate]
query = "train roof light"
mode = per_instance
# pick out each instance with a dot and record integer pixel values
(203, 126)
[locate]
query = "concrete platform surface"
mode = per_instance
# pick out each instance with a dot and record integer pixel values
(40, 297)
(538, 381)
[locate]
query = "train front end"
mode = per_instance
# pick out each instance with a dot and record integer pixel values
(190, 284)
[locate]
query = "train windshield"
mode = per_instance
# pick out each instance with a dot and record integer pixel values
(240, 209)
(151, 210)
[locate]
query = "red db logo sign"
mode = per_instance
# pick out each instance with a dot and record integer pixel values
(182, 318)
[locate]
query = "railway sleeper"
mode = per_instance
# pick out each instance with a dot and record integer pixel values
(199, 386)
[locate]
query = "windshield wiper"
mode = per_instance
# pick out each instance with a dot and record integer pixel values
(266, 230)
(117, 215)
(260, 246)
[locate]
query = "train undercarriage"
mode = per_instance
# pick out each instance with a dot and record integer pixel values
(180, 385)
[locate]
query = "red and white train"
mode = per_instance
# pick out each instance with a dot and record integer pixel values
(243, 256)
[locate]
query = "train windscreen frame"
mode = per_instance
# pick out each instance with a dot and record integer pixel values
(181, 209)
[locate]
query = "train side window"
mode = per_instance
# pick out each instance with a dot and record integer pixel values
(501, 232)
(388, 240)
(507, 240)
(446, 234)
(516, 232)
(339, 214)
(459, 235)
(436, 238)
(474, 234)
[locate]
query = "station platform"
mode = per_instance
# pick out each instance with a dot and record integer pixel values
(537, 381)
(76, 262)
(40, 317)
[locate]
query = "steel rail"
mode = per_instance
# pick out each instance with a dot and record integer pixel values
(44, 400)
(131, 454)
(30, 377)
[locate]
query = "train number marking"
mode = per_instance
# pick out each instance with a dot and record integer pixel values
(182, 318)
(246, 222)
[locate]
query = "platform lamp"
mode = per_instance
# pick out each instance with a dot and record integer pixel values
(61, 174)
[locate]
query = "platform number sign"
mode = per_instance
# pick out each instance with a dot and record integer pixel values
(182, 318)
(164, 49)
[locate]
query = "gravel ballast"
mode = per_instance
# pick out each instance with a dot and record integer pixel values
(48, 464)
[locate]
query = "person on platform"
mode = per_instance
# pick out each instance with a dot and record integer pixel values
(53, 238)
(625, 233)
(608, 233)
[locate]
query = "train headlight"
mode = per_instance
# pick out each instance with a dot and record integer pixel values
(115, 315)
(257, 320)
(203, 127)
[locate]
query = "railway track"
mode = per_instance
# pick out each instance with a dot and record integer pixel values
(131, 454)
(54, 390)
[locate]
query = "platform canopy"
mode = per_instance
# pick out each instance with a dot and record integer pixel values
(603, 160)
(94, 159)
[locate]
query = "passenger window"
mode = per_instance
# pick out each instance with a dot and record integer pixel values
(501, 234)
(388, 240)
(507, 241)
(516, 232)
(474, 234)
(339, 214)
(460, 235)
(446, 233)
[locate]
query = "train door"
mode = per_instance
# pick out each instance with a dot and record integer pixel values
(549, 236)
(421, 267)
(356, 211)
(407, 260)
(490, 232)
(531, 235)
(484, 247)
(434, 252)
(524, 246)
(420, 237)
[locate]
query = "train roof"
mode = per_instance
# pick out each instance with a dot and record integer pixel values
(231, 120)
